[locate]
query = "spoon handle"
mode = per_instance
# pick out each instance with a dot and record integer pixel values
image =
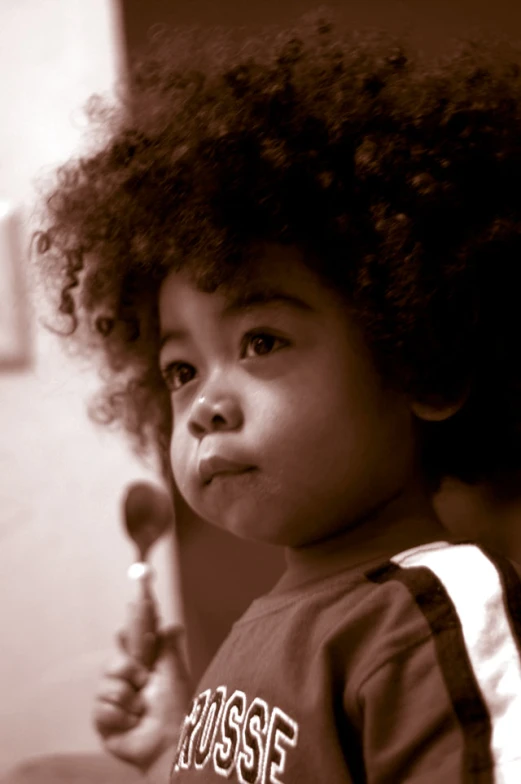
(142, 624)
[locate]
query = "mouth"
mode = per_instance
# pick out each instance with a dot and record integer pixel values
(219, 467)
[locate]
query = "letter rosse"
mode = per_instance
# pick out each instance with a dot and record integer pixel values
(245, 743)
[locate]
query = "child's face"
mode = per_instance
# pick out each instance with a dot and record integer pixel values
(282, 431)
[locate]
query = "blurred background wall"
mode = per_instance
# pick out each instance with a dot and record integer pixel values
(63, 557)
(63, 586)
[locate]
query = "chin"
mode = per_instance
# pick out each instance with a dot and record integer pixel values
(243, 526)
(263, 530)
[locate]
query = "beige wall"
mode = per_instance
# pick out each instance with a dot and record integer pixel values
(63, 584)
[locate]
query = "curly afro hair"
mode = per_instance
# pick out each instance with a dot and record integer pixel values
(399, 178)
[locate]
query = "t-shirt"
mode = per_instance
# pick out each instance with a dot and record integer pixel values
(401, 670)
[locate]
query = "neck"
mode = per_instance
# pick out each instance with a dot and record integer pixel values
(406, 520)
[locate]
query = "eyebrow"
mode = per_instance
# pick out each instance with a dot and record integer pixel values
(246, 300)
(249, 299)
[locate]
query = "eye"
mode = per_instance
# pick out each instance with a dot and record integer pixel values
(177, 374)
(259, 344)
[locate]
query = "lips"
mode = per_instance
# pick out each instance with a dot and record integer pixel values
(210, 467)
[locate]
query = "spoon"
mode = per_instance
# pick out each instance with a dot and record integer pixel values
(148, 513)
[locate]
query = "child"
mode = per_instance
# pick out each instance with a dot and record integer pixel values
(300, 265)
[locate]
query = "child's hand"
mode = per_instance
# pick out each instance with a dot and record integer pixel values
(138, 712)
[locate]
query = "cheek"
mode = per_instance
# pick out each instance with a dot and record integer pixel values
(332, 419)
(276, 413)
(179, 454)
(295, 423)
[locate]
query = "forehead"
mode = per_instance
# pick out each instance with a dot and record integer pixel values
(278, 270)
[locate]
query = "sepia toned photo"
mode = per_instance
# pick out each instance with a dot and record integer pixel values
(260, 392)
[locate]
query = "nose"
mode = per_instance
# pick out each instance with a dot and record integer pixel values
(213, 412)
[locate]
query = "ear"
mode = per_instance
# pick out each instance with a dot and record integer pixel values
(437, 411)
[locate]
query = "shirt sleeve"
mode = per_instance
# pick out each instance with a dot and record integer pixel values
(447, 706)
(409, 730)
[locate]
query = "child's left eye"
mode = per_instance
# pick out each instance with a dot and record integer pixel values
(260, 344)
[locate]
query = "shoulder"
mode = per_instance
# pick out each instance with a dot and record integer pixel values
(457, 678)
(462, 596)
(460, 585)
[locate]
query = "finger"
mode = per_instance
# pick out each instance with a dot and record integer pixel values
(121, 694)
(127, 669)
(144, 649)
(110, 719)
(172, 666)
(122, 640)
(172, 636)
(145, 652)
(172, 647)
(171, 639)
